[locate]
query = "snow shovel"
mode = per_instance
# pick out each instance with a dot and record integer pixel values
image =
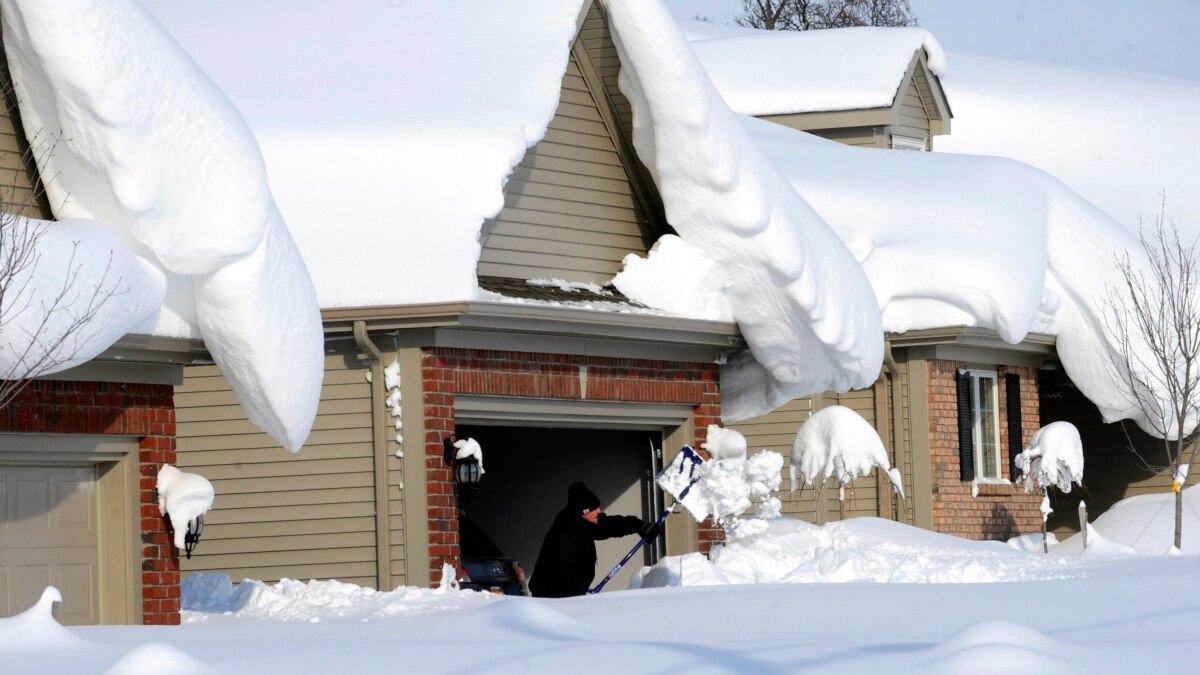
(675, 479)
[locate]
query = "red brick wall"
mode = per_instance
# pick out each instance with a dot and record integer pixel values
(143, 410)
(999, 511)
(448, 372)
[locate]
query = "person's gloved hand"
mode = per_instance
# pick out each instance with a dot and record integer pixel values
(650, 531)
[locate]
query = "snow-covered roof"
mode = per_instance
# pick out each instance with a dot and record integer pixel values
(782, 72)
(388, 128)
(1119, 139)
(387, 132)
(944, 240)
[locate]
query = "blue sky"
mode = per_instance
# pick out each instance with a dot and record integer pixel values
(1156, 36)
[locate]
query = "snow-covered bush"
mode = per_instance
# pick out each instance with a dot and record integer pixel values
(837, 442)
(1054, 458)
(729, 483)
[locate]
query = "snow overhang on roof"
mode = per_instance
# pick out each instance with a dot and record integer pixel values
(388, 128)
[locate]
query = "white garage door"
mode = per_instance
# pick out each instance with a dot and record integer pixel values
(49, 537)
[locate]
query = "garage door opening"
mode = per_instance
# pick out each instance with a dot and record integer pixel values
(525, 485)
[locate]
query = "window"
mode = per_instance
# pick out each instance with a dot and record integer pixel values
(979, 424)
(907, 143)
(985, 417)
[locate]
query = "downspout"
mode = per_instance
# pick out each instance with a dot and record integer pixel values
(889, 362)
(383, 563)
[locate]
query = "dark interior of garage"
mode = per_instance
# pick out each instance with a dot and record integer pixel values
(527, 472)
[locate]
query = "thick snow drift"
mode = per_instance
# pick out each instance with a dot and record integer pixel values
(388, 128)
(951, 240)
(149, 147)
(64, 273)
(802, 302)
(1119, 139)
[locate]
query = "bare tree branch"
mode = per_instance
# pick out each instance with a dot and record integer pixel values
(820, 14)
(1153, 319)
(41, 329)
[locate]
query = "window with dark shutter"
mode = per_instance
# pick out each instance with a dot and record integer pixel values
(1012, 386)
(966, 443)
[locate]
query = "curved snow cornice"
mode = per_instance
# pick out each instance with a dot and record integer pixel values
(150, 150)
(801, 300)
(784, 72)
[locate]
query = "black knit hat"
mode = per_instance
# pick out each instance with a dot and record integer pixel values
(581, 499)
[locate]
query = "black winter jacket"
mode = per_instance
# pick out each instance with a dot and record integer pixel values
(566, 564)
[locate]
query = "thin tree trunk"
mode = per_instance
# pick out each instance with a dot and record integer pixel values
(1179, 519)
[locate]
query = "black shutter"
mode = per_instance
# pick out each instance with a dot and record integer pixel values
(1012, 386)
(966, 444)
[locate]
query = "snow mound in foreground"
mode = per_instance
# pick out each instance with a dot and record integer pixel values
(997, 648)
(36, 628)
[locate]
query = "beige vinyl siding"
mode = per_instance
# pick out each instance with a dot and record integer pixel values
(17, 173)
(912, 116)
(570, 211)
(903, 452)
(776, 431)
(305, 515)
(598, 41)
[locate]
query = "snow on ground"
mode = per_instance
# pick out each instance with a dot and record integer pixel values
(862, 596)
(132, 136)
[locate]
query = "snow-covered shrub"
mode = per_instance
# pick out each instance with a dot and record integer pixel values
(837, 442)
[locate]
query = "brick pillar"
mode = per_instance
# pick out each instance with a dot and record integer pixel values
(709, 412)
(438, 382)
(160, 558)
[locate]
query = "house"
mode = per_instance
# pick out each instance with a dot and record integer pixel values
(558, 381)
(464, 199)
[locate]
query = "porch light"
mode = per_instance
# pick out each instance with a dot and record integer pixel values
(194, 528)
(467, 471)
